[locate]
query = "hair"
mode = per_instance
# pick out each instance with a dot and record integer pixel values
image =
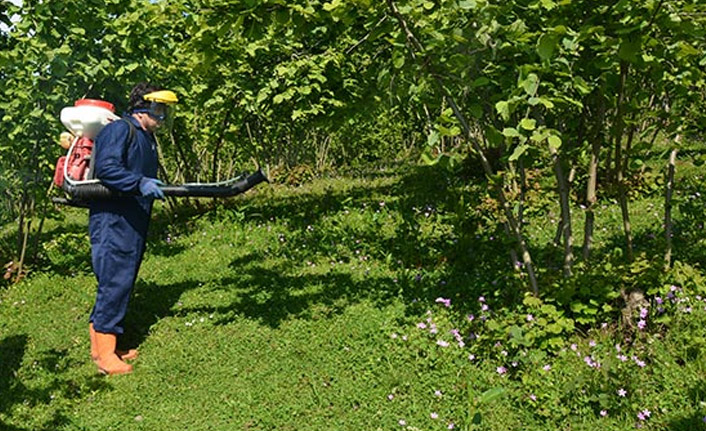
(137, 95)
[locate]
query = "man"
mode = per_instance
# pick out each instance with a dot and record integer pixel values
(126, 161)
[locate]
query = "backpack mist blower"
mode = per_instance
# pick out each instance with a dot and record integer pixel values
(75, 172)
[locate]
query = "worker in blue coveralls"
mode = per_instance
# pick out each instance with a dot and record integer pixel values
(125, 161)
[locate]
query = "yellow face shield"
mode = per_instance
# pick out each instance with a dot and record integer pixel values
(159, 104)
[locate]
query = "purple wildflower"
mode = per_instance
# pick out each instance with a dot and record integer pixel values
(446, 302)
(501, 370)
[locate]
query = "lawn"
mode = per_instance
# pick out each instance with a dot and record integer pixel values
(351, 303)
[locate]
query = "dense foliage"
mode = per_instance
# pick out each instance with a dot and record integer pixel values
(582, 89)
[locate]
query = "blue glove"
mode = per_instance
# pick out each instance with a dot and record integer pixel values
(149, 187)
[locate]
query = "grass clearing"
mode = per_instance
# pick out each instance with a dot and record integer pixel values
(313, 307)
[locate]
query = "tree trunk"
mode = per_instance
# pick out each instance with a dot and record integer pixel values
(619, 165)
(565, 222)
(591, 195)
(668, 208)
(415, 47)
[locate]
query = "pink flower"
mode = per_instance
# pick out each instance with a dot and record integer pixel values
(421, 325)
(451, 426)
(444, 301)
(402, 422)
(481, 299)
(390, 397)
(641, 324)
(501, 370)
(533, 397)
(547, 367)
(471, 357)
(604, 413)
(530, 317)
(442, 343)
(622, 392)
(437, 393)
(434, 415)
(484, 307)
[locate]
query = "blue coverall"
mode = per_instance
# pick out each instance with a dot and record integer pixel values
(118, 226)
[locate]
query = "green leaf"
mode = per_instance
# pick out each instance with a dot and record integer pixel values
(528, 123)
(428, 160)
(554, 328)
(548, 4)
(491, 395)
(328, 7)
(546, 45)
(532, 301)
(554, 142)
(433, 138)
(503, 109)
(629, 48)
(476, 111)
(480, 82)
(519, 151)
(511, 132)
(531, 84)
(78, 30)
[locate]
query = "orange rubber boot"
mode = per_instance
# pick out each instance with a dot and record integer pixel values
(94, 346)
(108, 362)
(125, 355)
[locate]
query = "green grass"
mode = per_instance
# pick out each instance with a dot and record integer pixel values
(296, 308)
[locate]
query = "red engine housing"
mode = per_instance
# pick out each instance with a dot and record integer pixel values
(76, 164)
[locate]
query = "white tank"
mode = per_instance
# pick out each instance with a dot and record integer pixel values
(88, 117)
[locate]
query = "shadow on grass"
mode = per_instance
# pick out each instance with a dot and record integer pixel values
(471, 259)
(150, 303)
(14, 391)
(687, 423)
(271, 297)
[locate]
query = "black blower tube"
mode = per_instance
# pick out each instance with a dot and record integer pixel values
(97, 191)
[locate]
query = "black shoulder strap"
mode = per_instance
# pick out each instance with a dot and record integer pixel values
(131, 133)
